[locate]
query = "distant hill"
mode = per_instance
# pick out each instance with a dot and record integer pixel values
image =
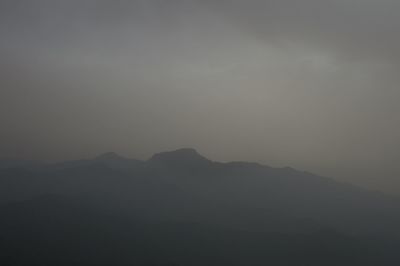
(218, 213)
(12, 163)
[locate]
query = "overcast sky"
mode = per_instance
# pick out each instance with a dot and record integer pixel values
(311, 84)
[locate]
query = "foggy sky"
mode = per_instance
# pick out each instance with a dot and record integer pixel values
(310, 84)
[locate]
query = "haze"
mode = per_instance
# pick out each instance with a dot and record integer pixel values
(303, 83)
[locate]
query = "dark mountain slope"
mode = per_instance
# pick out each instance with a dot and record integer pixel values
(183, 186)
(53, 230)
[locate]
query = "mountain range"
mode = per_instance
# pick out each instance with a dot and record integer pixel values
(180, 208)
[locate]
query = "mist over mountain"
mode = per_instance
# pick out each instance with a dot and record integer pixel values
(97, 95)
(179, 208)
(306, 83)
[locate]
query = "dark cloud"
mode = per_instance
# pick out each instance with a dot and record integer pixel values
(358, 28)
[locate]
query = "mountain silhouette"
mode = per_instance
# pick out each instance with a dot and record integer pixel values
(180, 159)
(110, 156)
(182, 200)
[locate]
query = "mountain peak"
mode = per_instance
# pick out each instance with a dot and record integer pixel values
(109, 156)
(185, 156)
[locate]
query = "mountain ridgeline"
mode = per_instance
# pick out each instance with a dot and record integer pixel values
(179, 208)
